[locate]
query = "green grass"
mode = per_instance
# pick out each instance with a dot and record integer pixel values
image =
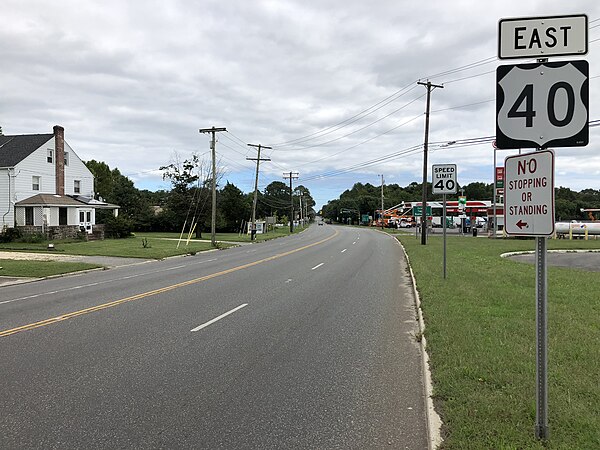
(38, 269)
(227, 237)
(480, 330)
(159, 245)
(129, 247)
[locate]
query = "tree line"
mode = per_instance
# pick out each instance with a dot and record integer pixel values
(189, 200)
(366, 199)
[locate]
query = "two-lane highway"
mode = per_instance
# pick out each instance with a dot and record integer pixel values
(300, 342)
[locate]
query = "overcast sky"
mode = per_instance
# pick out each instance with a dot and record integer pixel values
(133, 81)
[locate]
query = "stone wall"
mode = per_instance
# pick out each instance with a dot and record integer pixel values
(52, 233)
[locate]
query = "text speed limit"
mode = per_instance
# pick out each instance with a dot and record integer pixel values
(542, 104)
(444, 179)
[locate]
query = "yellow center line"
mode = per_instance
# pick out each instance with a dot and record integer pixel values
(71, 315)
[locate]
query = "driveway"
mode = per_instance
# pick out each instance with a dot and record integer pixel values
(583, 260)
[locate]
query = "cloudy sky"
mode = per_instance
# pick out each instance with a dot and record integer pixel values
(331, 85)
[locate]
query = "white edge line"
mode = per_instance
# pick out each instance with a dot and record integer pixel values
(198, 328)
(434, 421)
(317, 266)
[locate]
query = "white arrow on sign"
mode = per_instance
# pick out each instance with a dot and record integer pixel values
(538, 104)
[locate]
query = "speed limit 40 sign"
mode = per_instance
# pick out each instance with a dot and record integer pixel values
(444, 179)
(542, 104)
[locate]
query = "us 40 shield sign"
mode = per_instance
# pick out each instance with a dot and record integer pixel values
(542, 104)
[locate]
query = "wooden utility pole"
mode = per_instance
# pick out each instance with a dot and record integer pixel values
(291, 176)
(381, 215)
(213, 222)
(429, 87)
(258, 160)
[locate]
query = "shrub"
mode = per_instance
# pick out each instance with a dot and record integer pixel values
(33, 238)
(117, 227)
(10, 235)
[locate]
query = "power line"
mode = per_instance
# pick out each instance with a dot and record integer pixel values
(406, 89)
(365, 126)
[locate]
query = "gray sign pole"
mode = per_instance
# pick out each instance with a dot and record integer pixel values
(444, 225)
(541, 321)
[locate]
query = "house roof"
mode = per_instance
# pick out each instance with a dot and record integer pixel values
(15, 148)
(50, 200)
(64, 200)
(95, 203)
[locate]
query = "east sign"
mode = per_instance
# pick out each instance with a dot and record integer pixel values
(541, 37)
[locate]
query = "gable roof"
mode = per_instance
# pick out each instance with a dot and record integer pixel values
(15, 148)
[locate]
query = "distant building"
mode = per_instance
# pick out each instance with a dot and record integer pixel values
(45, 187)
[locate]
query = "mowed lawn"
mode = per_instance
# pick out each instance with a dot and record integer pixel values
(36, 269)
(480, 330)
(141, 245)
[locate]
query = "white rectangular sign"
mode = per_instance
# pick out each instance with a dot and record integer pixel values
(529, 194)
(540, 37)
(444, 179)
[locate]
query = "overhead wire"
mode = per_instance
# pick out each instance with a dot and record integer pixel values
(404, 90)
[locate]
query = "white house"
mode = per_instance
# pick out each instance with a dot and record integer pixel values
(45, 187)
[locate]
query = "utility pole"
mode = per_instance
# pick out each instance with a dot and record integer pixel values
(381, 215)
(258, 160)
(213, 222)
(301, 211)
(429, 87)
(291, 175)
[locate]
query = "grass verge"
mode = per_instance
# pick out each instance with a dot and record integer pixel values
(480, 329)
(38, 269)
(134, 247)
(226, 237)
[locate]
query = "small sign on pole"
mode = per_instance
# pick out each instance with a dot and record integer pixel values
(529, 194)
(541, 37)
(444, 179)
(444, 182)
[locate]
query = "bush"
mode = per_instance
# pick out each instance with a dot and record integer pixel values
(10, 235)
(118, 227)
(34, 238)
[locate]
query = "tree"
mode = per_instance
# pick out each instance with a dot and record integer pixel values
(234, 207)
(186, 205)
(275, 200)
(103, 179)
(113, 187)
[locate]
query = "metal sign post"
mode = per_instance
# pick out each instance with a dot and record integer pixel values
(529, 211)
(538, 106)
(444, 225)
(444, 182)
(541, 323)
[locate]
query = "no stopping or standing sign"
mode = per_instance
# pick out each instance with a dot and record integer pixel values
(529, 194)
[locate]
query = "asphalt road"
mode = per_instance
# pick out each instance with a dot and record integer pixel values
(301, 342)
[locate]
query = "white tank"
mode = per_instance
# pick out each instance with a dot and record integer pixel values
(577, 228)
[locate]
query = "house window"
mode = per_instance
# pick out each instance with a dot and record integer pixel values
(66, 158)
(50, 156)
(81, 216)
(29, 215)
(77, 187)
(35, 183)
